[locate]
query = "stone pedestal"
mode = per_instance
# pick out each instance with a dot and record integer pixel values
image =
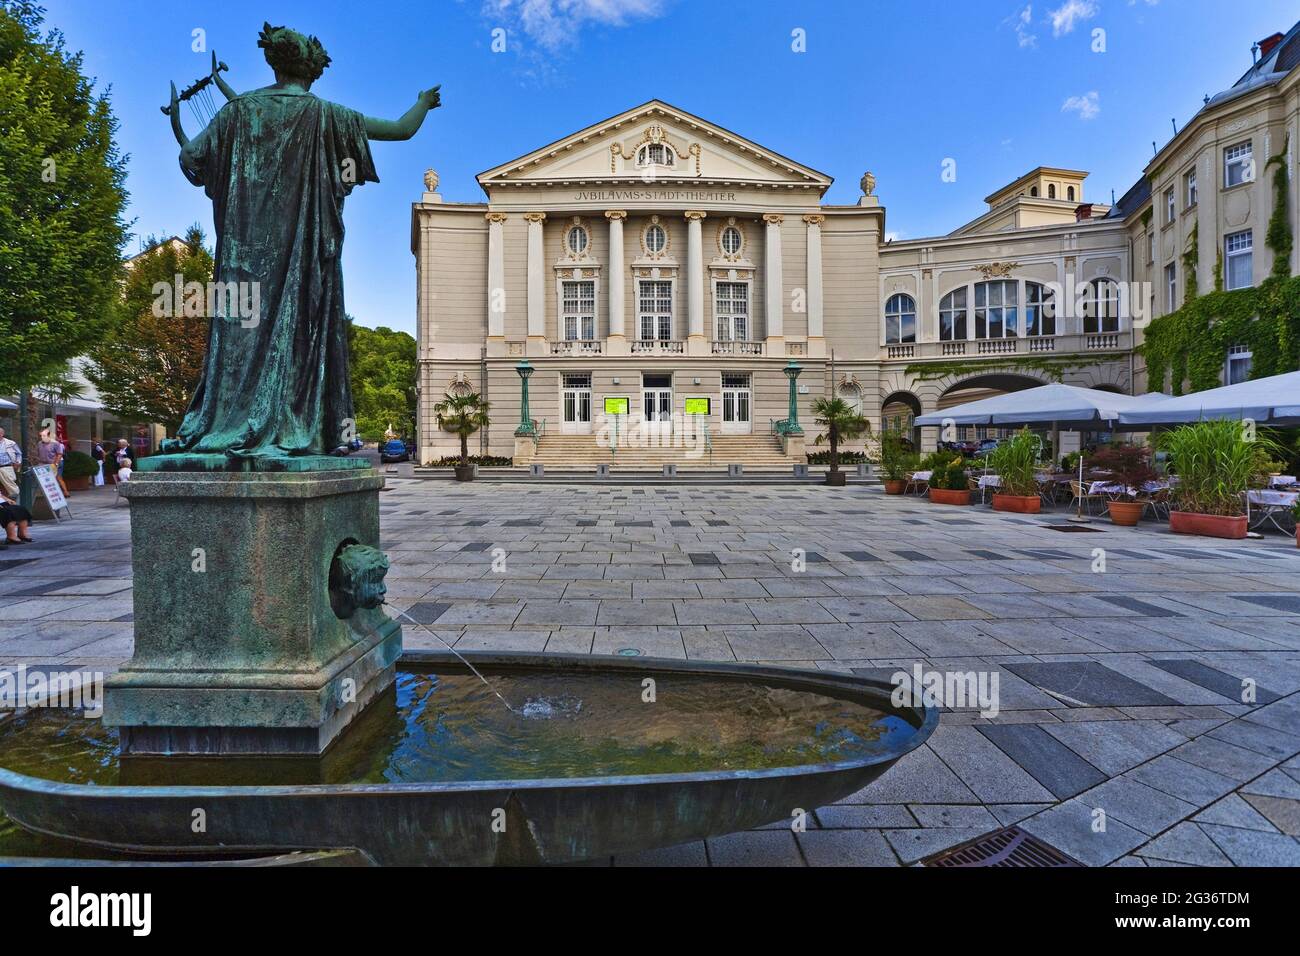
(257, 625)
(793, 446)
(525, 449)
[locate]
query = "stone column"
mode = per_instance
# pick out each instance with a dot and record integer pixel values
(775, 300)
(496, 279)
(816, 337)
(696, 341)
(536, 284)
(616, 340)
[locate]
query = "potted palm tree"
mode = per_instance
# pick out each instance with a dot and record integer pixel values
(896, 460)
(842, 423)
(462, 415)
(1131, 467)
(949, 484)
(1215, 463)
(1014, 462)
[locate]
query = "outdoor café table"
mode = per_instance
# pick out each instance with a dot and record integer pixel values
(986, 482)
(1281, 481)
(919, 479)
(1115, 488)
(1270, 505)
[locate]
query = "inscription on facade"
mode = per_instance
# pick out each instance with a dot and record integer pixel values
(655, 195)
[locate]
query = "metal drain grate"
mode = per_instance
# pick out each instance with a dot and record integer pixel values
(1073, 529)
(1009, 847)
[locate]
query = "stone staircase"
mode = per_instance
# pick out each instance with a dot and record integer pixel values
(582, 453)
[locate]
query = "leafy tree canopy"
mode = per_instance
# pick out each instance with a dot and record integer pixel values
(148, 367)
(62, 196)
(382, 363)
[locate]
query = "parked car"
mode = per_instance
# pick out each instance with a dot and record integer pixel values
(356, 444)
(393, 450)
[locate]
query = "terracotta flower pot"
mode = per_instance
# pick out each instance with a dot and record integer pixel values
(895, 486)
(1213, 526)
(1126, 513)
(1020, 504)
(78, 484)
(947, 496)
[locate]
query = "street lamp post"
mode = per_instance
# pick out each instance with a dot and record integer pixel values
(525, 429)
(792, 371)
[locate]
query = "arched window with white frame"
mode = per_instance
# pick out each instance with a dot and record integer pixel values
(1100, 307)
(656, 154)
(1040, 310)
(953, 316)
(900, 319)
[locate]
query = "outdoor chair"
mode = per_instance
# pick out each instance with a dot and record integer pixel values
(918, 485)
(1082, 497)
(1158, 502)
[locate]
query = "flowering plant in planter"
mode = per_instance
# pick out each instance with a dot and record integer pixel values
(1130, 464)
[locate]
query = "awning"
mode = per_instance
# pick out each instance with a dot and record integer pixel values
(1266, 401)
(1067, 406)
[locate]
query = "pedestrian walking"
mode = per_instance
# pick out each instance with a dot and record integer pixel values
(11, 457)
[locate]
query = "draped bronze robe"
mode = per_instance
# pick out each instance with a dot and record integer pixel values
(277, 165)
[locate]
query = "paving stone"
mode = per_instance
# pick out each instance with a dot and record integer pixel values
(1115, 746)
(1263, 740)
(984, 768)
(755, 848)
(1183, 780)
(683, 854)
(1282, 812)
(1233, 811)
(1139, 806)
(1089, 683)
(1231, 761)
(918, 777)
(843, 816)
(953, 815)
(1186, 843)
(1254, 847)
(773, 643)
(1009, 813)
(914, 845)
(1223, 684)
(1069, 827)
(1046, 759)
(846, 848)
(1275, 783)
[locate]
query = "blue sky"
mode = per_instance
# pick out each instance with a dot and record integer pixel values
(894, 87)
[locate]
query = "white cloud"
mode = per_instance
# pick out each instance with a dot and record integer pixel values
(557, 23)
(1069, 13)
(1087, 106)
(1022, 23)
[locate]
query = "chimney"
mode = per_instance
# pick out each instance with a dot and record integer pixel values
(1083, 211)
(1267, 44)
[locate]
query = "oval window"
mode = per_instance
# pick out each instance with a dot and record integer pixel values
(656, 239)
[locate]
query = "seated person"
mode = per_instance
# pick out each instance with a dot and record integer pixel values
(14, 519)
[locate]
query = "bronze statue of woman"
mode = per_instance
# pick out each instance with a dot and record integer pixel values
(277, 163)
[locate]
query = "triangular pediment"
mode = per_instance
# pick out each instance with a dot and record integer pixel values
(691, 150)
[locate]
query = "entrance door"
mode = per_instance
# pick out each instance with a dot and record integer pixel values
(575, 404)
(736, 404)
(657, 404)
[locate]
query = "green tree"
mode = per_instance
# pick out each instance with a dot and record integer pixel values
(61, 200)
(842, 423)
(147, 368)
(382, 363)
(462, 415)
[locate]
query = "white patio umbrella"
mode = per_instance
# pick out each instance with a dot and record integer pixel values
(1266, 401)
(1057, 404)
(4, 404)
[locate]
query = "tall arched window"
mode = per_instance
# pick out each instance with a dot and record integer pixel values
(1040, 310)
(1069, 193)
(997, 314)
(900, 319)
(953, 316)
(1051, 190)
(1100, 307)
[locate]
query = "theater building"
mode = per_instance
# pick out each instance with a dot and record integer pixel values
(658, 278)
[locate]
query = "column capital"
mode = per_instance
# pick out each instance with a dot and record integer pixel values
(814, 219)
(495, 216)
(614, 215)
(773, 218)
(535, 216)
(695, 214)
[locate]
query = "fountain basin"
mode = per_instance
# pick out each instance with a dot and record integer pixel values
(439, 772)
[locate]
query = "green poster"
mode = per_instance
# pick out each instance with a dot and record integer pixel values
(697, 406)
(616, 406)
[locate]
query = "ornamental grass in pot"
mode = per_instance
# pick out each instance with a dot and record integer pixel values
(1014, 462)
(1131, 467)
(949, 484)
(1215, 463)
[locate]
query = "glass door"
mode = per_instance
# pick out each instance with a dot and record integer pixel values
(657, 403)
(575, 404)
(736, 403)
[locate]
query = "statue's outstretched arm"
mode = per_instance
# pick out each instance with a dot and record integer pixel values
(409, 124)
